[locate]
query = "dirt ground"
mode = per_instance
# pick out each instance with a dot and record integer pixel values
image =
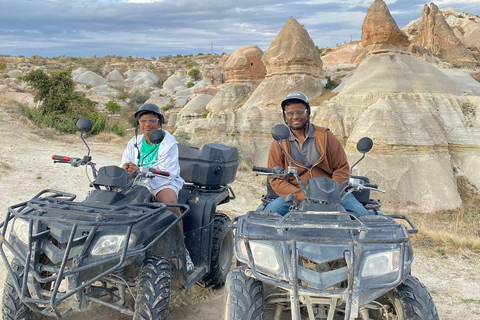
(26, 168)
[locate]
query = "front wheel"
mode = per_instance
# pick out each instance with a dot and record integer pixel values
(13, 308)
(222, 251)
(409, 301)
(243, 297)
(153, 293)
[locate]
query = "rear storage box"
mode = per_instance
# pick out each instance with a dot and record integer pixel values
(213, 166)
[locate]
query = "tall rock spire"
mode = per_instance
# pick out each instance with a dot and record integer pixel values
(436, 35)
(380, 32)
(379, 27)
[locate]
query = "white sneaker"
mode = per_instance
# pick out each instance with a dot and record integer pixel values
(190, 265)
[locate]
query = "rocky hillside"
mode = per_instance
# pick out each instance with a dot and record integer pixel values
(412, 90)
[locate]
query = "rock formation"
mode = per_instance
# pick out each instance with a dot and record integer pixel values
(115, 76)
(239, 117)
(293, 64)
(436, 35)
(89, 77)
(292, 52)
(424, 127)
(245, 65)
(244, 69)
(380, 32)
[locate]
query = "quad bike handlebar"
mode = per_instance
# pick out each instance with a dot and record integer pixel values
(348, 186)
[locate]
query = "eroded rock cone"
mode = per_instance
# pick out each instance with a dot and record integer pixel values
(292, 52)
(436, 35)
(379, 27)
(380, 32)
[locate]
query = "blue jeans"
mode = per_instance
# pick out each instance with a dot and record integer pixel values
(350, 203)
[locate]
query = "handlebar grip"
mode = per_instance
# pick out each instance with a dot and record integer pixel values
(159, 172)
(262, 169)
(370, 185)
(60, 158)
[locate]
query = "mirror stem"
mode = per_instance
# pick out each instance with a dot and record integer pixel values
(286, 154)
(81, 136)
(351, 168)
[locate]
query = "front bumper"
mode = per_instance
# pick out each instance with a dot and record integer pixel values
(61, 234)
(322, 255)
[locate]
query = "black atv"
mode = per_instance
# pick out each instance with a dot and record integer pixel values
(321, 262)
(119, 242)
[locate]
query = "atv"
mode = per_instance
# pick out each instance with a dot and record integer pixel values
(322, 262)
(119, 245)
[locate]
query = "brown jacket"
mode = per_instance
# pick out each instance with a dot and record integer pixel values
(332, 163)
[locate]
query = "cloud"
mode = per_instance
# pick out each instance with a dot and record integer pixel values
(153, 27)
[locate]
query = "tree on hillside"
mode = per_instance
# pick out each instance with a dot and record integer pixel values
(61, 106)
(194, 74)
(57, 92)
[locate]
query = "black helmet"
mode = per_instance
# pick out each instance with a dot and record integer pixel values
(149, 108)
(291, 97)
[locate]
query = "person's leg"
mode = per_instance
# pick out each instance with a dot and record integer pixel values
(278, 206)
(168, 195)
(351, 204)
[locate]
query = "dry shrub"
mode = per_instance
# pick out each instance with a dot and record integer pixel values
(325, 96)
(452, 230)
(108, 137)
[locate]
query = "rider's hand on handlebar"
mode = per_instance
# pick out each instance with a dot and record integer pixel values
(130, 167)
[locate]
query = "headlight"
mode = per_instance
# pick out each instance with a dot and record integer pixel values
(381, 263)
(20, 228)
(263, 254)
(110, 244)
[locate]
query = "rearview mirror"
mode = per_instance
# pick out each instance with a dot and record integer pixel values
(84, 125)
(157, 136)
(280, 132)
(364, 145)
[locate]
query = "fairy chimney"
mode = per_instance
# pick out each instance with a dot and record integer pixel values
(436, 35)
(245, 65)
(292, 52)
(380, 33)
(379, 27)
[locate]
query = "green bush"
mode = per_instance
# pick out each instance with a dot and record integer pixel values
(331, 84)
(113, 107)
(3, 65)
(182, 138)
(190, 84)
(39, 60)
(61, 106)
(139, 98)
(166, 108)
(122, 95)
(161, 80)
(194, 74)
(191, 64)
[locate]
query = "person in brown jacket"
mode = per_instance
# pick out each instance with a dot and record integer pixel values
(314, 150)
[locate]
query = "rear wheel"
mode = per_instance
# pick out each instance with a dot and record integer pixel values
(222, 251)
(409, 301)
(13, 308)
(153, 293)
(243, 297)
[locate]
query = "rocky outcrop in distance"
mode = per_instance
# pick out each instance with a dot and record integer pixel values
(436, 35)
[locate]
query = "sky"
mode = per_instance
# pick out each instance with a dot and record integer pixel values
(153, 28)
